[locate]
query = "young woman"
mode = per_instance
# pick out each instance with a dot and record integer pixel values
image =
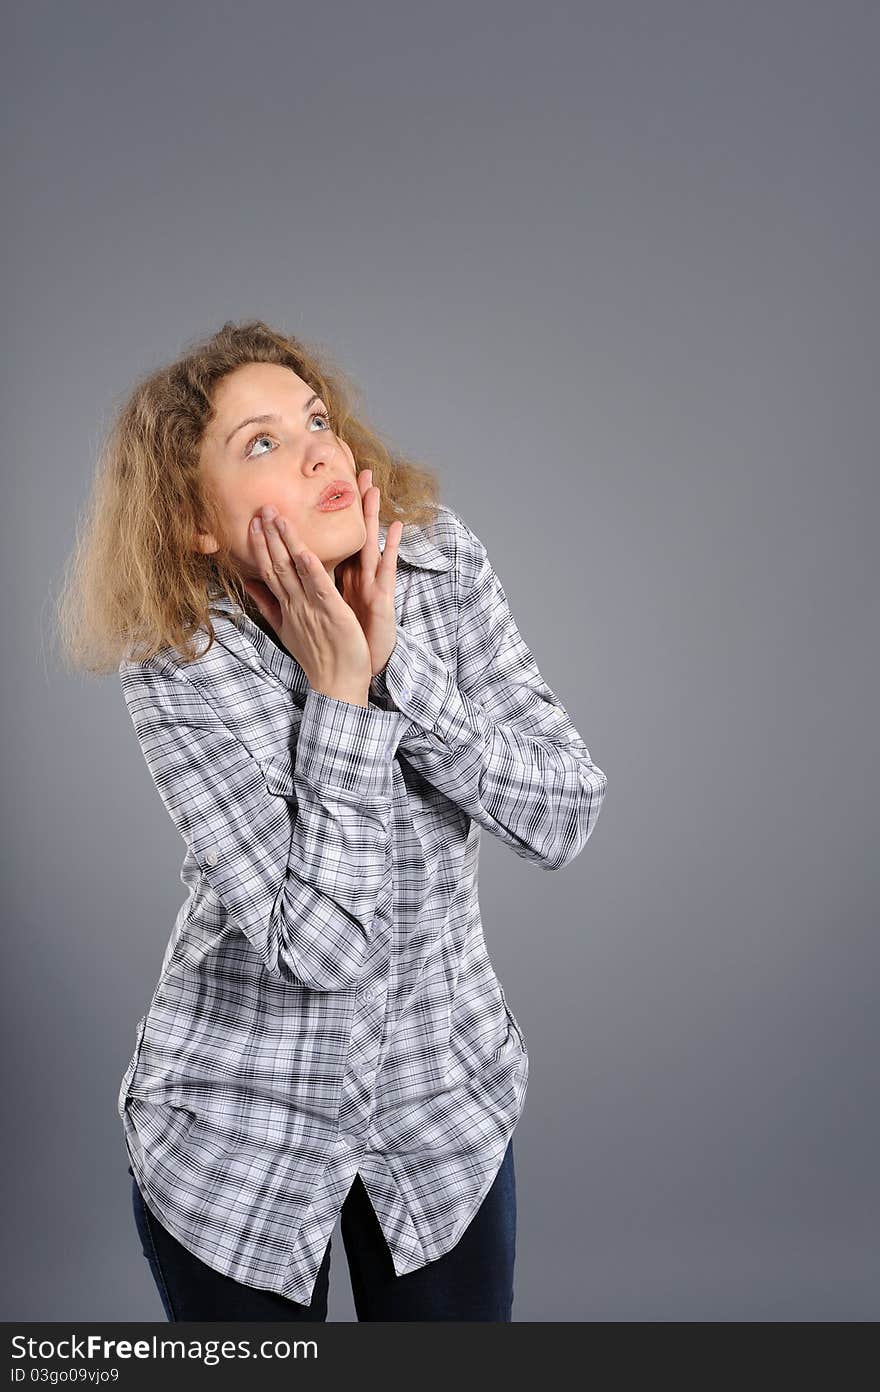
(328, 1035)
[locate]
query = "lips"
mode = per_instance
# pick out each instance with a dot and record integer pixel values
(338, 486)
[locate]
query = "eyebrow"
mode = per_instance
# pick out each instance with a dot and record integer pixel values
(261, 420)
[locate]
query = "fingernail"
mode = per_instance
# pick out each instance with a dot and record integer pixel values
(256, 525)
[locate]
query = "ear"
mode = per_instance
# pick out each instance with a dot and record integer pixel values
(207, 543)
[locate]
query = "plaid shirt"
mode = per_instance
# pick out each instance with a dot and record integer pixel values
(326, 1003)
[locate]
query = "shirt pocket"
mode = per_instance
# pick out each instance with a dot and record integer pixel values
(514, 1024)
(278, 773)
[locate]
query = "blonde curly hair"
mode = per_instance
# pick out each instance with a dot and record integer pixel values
(134, 581)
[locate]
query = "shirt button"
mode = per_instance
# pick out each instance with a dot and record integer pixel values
(406, 692)
(211, 857)
(347, 1139)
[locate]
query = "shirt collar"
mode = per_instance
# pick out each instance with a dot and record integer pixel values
(416, 549)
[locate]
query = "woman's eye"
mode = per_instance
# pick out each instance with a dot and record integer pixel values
(254, 441)
(322, 415)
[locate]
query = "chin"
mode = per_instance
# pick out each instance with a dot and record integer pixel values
(356, 539)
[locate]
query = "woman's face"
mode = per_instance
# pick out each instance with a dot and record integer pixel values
(287, 461)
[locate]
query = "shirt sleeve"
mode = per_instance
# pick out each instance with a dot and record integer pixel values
(494, 738)
(305, 878)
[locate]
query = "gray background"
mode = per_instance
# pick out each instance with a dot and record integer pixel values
(612, 270)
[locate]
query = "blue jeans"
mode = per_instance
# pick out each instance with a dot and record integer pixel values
(472, 1282)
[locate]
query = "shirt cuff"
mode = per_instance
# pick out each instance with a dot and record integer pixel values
(379, 689)
(346, 746)
(420, 686)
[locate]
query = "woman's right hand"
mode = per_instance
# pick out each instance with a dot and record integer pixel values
(300, 601)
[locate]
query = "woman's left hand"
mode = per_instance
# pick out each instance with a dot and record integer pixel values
(367, 580)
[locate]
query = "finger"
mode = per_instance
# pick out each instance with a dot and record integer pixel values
(281, 531)
(306, 565)
(369, 552)
(274, 560)
(364, 479)
(387, 572)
